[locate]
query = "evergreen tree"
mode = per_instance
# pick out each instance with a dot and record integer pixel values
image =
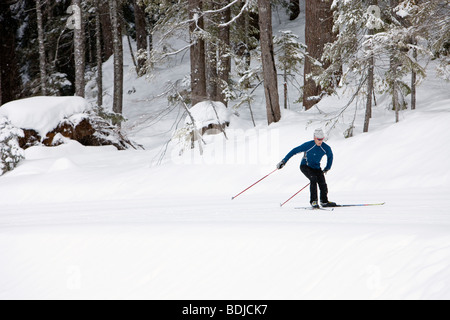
(218, 50)
(366, 37)
(431, 20)
(10, 152)
(244, 36)
(290, 56)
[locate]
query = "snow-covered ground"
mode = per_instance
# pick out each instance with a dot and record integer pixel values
(93, 222)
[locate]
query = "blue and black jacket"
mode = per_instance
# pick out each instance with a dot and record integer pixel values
(313, 155)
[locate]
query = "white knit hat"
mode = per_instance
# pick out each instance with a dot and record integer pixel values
(318, 133)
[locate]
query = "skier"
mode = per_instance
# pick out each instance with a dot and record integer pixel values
(310, 166)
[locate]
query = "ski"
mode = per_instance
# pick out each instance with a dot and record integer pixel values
(342, 206)
(359, 205)
(311, 208)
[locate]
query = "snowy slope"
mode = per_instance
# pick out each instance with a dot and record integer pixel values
(93, 222)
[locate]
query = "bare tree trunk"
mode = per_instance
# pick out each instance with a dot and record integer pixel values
(268, 62)
(394, 65)
(211, 71)
(370, 92)
(212, 47)
(224, 67)
(79, 49)
(242, 47)
(370, 79)
(98, 43)
(133, 58)
(1, 84)
(42, 60)
(141, 36)
(395, 103)
(197, 51)
(318, 32)
(217, 52)
(413, 79)
(285, 88)
(370, 75)
(88, 41)
(107, 36)
(118, 57)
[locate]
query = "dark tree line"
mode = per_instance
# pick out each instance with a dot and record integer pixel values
(36, 43)
(49, 47)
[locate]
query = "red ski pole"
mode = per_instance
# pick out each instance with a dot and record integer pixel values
(254, 184)
(282, 204)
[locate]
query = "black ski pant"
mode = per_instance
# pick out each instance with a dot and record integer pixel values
(316, 177)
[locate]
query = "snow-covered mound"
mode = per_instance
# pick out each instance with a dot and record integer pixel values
(208, 112)
(51, 121)
(42, 114)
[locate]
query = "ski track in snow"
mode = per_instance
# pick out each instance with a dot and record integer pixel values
(223, 249)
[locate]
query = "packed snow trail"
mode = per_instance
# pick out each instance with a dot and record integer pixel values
(92, 222)
(215, 248)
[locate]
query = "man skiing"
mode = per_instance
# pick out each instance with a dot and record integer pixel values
(314, 151)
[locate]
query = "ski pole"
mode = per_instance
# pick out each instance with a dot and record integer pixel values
(253, 184)
(282, 204)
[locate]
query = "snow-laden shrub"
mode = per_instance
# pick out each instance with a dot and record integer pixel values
(205, 118)
(108, 130)
(11, 153)
(444, 69)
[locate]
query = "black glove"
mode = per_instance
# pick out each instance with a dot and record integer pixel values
(281, 164)
(325, 171)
